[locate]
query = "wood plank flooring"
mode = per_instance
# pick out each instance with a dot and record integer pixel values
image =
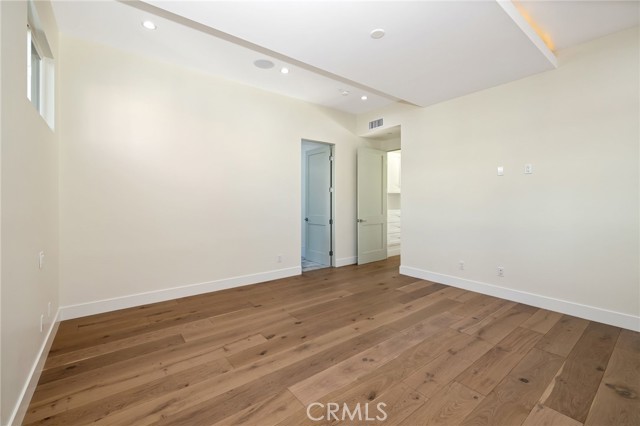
(259, 355)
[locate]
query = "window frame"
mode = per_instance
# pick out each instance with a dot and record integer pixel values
(34, 71)
(41, 68)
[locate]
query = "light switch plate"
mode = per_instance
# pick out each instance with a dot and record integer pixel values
(500, 171)
(528, 169)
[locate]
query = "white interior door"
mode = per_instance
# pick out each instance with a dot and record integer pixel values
(372, 205)
(318, 205)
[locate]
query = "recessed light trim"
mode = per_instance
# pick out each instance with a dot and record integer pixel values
(364, 97)
(264, 64)
(376, 34)
(284, 70)
(149, 25)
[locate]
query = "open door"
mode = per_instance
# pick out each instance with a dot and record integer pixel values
(372, 205)
(318, 205)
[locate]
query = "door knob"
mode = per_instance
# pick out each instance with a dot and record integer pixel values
(361, 220)
(306, 219)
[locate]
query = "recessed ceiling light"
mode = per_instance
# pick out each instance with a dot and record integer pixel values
(264, 64)
(364, 97)
(344, 92)
(149, 25)
(284, 70)
(377, 33)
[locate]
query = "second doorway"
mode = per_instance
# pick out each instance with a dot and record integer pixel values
(317, 205)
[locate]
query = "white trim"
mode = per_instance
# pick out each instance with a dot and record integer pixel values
(17, 416)
(129, 301)
(592, 313)
(346, 261)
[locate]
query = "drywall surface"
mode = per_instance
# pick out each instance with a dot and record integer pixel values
(569, 232)
(29, 198)
(170, 177)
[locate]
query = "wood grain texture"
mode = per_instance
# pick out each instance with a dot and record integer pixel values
(267, 412)
(561, 338)
(400, 402)
(542, 321)
(311, 389)
(448, 407)
(630, 341)
(437, 373)
(255, 355)
(484, 374)
(576, 386)
(498, 325)
(515, 396)
(413, 359)
(545, 416)
(617, 401)
(414, 286)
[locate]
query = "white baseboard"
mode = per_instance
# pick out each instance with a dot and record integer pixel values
(129, 301)
(17, 416)
(346, 261)
(592, 313)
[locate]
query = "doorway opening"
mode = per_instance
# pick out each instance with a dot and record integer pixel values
(318, 206)
(379, 204)
(394, 202)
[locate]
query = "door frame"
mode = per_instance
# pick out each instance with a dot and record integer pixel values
(332, 197)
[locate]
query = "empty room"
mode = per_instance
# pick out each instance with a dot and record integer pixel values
(316, 212)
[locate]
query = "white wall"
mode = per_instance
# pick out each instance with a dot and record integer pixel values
(29, 197)
(170, 177)
(568, 232)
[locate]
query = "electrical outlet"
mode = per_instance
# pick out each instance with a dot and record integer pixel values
(501, 271)
(40, 260)
(279, 258)
(461, 265)
(528, 169)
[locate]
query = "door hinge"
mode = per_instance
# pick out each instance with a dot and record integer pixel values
(330, 221)
(331, 253)
(330, 189)
(331, 158)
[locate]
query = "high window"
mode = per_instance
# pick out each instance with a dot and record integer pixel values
(40, 67)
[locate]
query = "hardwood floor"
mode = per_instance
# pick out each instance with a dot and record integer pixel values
(258, 355)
